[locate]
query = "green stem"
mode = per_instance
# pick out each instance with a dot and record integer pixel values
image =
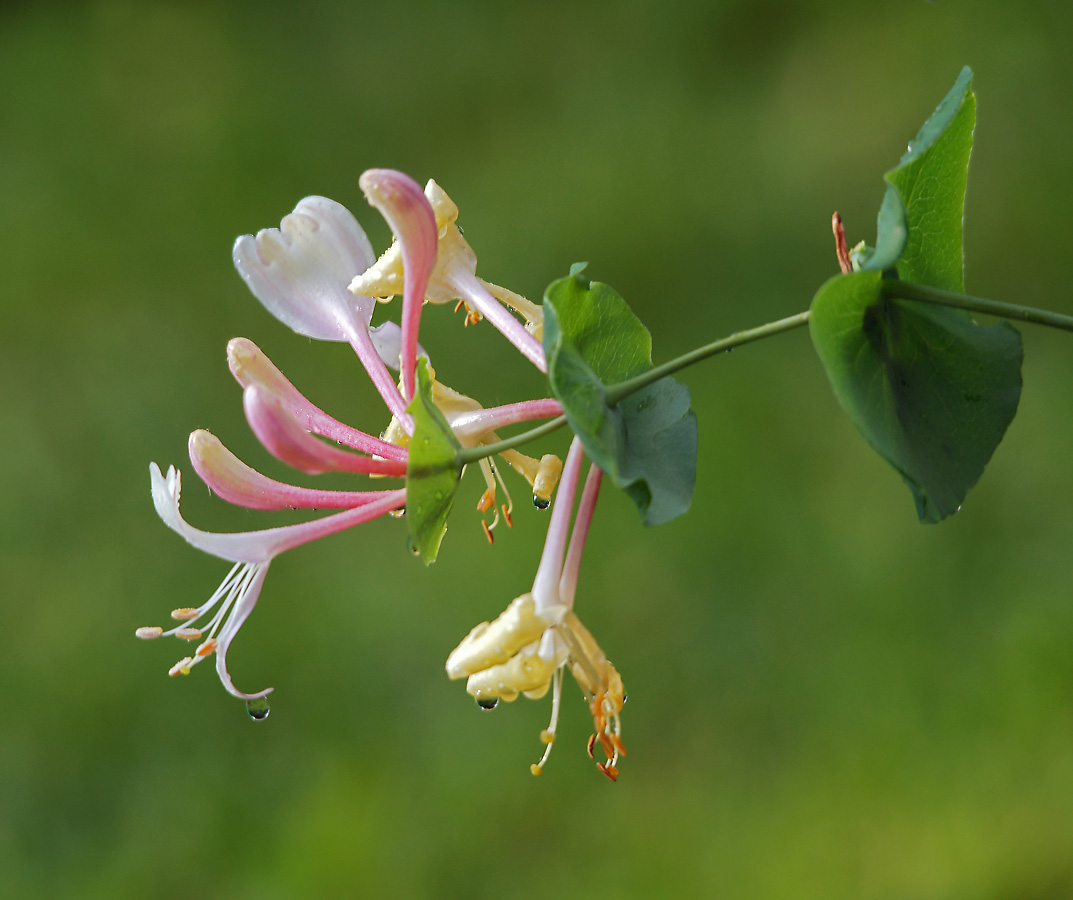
(617, 392)
(469, 455)
(904, 290)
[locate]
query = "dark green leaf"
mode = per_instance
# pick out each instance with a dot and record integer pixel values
(647, 444)
(432, 472)
(931, 391)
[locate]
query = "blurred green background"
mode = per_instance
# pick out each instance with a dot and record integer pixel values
(827, 699)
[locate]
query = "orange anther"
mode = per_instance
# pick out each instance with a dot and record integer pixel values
(591, 744)
(487, 499)
(488, 532)
(458, 305)
(506, 515)
(609, 770)
(183, 613)
(206, 648)
(617, 741)
(188, 634)
(607, 744)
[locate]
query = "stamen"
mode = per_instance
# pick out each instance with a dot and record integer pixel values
(488, 532)
(182, 667)
(607, 745)
(488, 499)
(206, 648)
(547, 736)
(188, 634)
(609, 770)
(506, 515)
(459, 305)
(184, 613)
(591, 744)
(149, 632)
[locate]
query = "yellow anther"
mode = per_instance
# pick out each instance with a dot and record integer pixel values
(188, 634)
(547, 736)
(148, 632)
(536, 770)
(184, 613)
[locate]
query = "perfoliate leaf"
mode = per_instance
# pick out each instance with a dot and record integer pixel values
(931, 391)
(432, 472)
(647, 443)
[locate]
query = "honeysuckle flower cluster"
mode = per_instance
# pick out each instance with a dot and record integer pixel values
(525, 650)
(317, 274)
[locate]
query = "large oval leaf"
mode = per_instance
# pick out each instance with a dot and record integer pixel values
(931, 391)
(647, 443)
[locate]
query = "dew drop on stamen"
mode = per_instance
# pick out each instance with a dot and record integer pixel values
(258, 709)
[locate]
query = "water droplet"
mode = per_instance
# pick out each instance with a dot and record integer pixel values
(541, 502)
(258, 709)
(398, 513)
(487, 703)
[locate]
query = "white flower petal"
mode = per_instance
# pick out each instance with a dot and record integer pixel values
(301, 270)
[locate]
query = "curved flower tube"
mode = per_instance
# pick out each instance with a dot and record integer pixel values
(234, 481)
(454, 277)
(300, 272)
(250, 366)
(252, 552)
(399, 199)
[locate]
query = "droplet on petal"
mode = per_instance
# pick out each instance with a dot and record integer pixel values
(258, 709)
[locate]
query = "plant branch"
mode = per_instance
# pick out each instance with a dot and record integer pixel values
(617, 392)
(905, 290)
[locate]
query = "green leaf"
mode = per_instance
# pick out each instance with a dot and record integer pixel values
(432, 471)
(647, 443)
(930, 179)
(891, 233)
(919, 226)
(930, 390)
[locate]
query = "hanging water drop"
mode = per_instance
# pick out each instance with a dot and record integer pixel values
(258, 709)
(487, 703)
(541, 502)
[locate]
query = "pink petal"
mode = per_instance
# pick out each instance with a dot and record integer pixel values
(237, 483)
(259, 546)
(285, 439)
(250, 366)
(403, 204)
